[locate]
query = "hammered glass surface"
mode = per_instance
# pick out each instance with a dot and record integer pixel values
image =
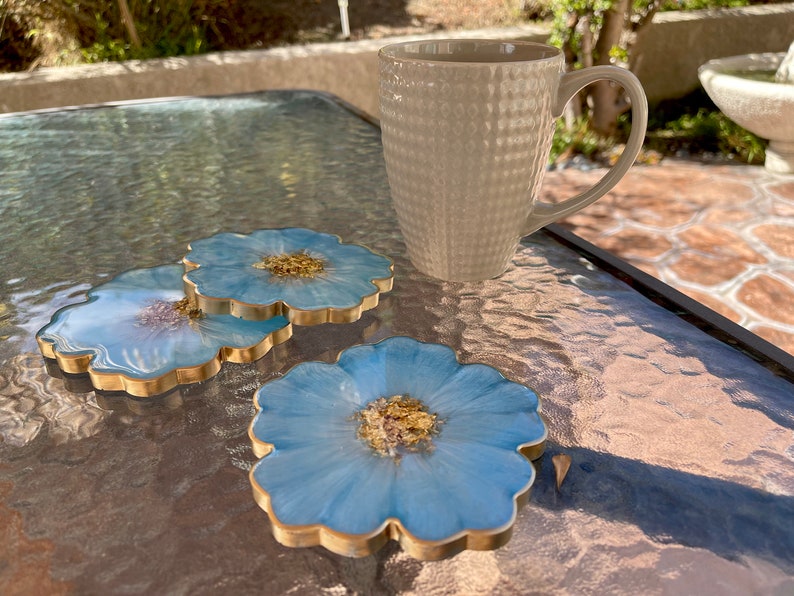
(682, 479)
(466, 145)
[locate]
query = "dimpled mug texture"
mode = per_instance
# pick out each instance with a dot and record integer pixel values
(466, 145)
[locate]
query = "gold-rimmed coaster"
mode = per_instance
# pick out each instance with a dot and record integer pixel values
(396, 440)
(140, 334)
(306, 276)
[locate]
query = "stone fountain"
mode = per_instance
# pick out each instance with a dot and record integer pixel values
(757, 92)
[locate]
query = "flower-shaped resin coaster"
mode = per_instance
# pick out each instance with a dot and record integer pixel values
(306, 276)
(396, 440)
(139, 333)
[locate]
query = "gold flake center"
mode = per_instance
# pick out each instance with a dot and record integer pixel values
(397, 424)
(296, 264)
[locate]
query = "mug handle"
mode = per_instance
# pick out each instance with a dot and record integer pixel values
(570, 84)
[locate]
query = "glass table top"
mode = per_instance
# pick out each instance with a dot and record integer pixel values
(682, 448)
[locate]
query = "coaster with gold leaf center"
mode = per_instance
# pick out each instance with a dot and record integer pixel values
(308, 277)
(396, 440)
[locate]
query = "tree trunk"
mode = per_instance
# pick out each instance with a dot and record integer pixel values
(129, 23)
(608, 99)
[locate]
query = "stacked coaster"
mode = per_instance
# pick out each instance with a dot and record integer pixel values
(396, 440)
(234, 298)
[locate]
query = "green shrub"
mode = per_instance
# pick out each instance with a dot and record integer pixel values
(159, 28)
(174, 28)
(17, 46)
(693, 124)
(592, 32)
(576, 138)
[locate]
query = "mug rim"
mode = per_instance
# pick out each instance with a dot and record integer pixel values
(392, 51)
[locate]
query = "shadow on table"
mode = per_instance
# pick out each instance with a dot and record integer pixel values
(762, 391)
(671, 506)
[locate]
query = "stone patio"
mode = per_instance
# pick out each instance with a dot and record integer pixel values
(722, 234)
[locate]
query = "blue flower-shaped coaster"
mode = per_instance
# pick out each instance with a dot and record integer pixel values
(397, 440)
(139, 333)
(306, 276)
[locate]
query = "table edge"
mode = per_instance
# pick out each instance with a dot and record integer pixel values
(701, 316)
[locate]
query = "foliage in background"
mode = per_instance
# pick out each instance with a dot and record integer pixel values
(600, 32)
(604, 32)
(177, 27)
(98, 31)
(593, 32)
(577, 138)
(18, 49)
(693, 125)
(158, 29)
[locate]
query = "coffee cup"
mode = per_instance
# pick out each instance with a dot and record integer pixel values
(467, 128)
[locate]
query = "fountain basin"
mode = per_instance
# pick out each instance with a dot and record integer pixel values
(765, 108)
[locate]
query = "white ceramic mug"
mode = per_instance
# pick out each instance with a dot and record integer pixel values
(467, 130)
